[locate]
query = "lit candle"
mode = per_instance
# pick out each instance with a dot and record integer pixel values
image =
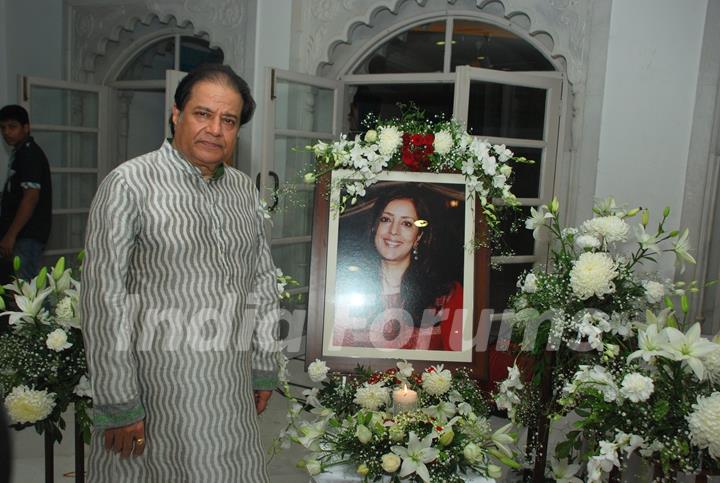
(405, 399)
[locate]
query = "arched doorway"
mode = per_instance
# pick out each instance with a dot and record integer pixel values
(500, 84)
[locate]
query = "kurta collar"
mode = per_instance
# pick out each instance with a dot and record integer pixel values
(179, 160)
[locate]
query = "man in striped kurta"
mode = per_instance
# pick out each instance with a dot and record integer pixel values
(178, 302)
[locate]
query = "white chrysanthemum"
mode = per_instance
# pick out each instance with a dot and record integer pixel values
(609, 228)
(25, 405)
(64, 309)
(57, 340)
(654, 291)
(443, 142)
(389, 139)
(712, 365)
(371, 136)
(587, 241)
(593, 274)
(637, 387)
(317, 371)
(437, 382)
(704, 423)
(372, 396)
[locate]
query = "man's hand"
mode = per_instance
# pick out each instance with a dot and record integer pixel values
(7, 244)
(261, 400)
(126, 440)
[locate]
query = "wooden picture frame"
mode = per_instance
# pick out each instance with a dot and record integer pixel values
(327, 336)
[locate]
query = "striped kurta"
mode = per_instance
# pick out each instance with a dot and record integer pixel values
(178, 304)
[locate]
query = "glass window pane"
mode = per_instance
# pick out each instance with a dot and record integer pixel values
(383, 101)
(68, 149)
(293, 215)
(294, 260)
(195, 51)
(503, 280)
(303, 107)
(526, 182)
(63, 107)
(506, 111)
(152, 62)
(68, 231)
(73, 190)
(484, 45)
(420, 49)
(515, 236)
(291, 158)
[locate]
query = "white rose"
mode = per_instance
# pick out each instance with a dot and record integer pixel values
(505, 170)
(443, 142)
(57, 340)
(371, 136)
(83, 388)
(390, 462)
(472, 453)
(530, 283)
(654, 291)
(363, 434)
(317, 371)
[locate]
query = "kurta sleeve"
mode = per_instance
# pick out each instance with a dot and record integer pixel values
(265, 345)
(112, 227)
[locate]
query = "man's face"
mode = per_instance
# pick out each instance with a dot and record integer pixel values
(206, 129)
(13, 132)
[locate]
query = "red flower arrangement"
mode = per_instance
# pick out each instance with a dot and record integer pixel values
(416, 150)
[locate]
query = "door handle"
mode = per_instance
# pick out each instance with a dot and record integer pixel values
(276, 183)
(275, 197)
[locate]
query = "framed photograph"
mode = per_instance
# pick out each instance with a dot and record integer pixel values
(398, 275)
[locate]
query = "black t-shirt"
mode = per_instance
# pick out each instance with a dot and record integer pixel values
(29, 169)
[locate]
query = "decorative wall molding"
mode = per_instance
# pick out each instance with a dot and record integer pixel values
(104, 27)
(329, 30)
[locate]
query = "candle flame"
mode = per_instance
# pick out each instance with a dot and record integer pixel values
(405, 389)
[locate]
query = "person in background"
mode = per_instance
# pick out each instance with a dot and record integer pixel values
(26, 208)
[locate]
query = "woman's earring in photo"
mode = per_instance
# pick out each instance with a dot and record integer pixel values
(415, 253)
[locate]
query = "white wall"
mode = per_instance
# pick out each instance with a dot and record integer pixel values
(650, 86)
(272, 49)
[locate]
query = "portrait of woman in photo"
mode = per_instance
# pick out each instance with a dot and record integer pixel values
(400, 285)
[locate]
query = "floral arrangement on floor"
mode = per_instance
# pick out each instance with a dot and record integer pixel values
(661, 400)
(586, 329)
(430, 427)
(42, 355)
(417, 143)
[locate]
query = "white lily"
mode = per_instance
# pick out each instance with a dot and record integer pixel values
(689, 348)
(563, 472)
(537, 220)
(651, 344)
(416, 455)
(30, 307)
(502, 439)
(646, 240)
(681, 248)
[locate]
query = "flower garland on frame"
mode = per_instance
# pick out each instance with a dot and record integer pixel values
(416, 143)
